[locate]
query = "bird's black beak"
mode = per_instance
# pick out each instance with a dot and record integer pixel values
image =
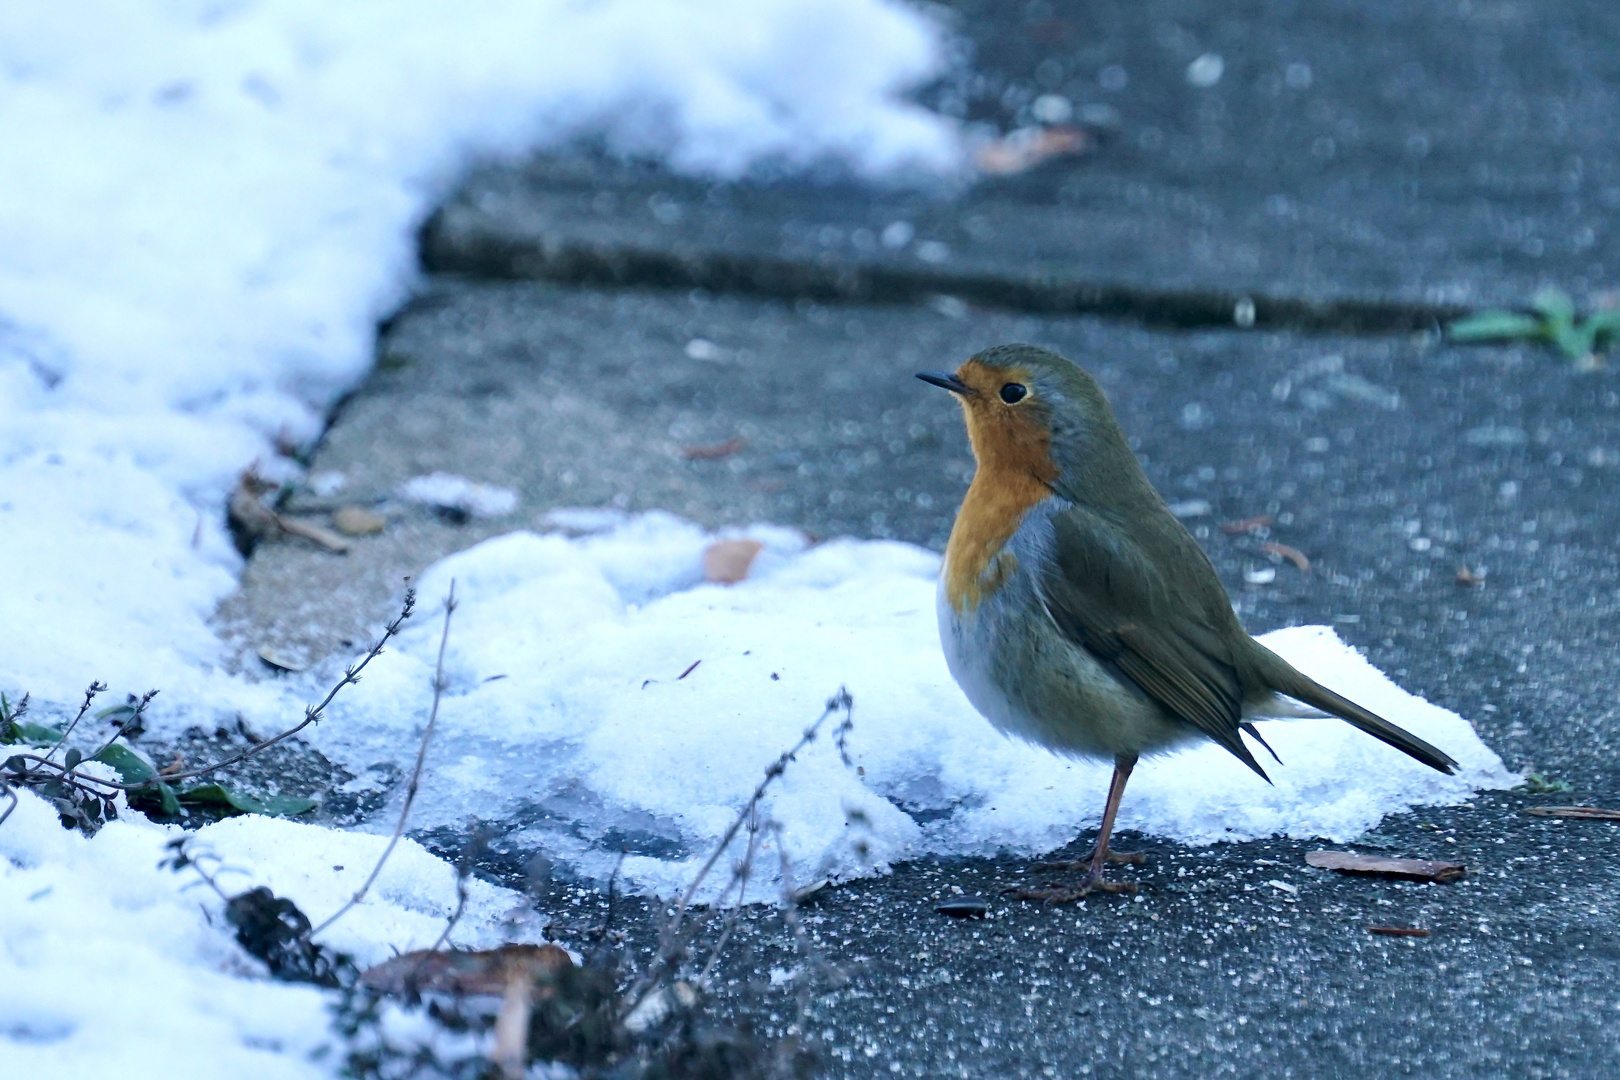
(948, 381)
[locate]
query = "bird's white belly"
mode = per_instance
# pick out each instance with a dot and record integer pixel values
(1023, 676)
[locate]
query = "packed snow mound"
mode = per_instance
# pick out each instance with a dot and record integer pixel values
(208, 206)
(567, 717)
(111, 964)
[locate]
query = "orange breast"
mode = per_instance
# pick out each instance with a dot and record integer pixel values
(975, 564)
(1015, 472)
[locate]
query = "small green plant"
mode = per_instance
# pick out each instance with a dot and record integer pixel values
(1537, 784)
(1552, 319)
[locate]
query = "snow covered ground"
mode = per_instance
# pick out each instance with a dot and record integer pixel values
(206, 207)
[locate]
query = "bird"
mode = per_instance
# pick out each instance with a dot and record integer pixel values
(1078, 613)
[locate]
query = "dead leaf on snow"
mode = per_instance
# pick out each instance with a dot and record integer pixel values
(726, 562)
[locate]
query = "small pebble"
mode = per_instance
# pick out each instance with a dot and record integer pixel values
(966, 907)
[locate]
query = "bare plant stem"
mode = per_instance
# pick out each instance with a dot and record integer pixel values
(463, 872)
(89, 696)
(133, 724)
(416, 775)
(675, 935)
(741, 875)
(801, 942)
(314, 713)
(5, 789)
(103, 788)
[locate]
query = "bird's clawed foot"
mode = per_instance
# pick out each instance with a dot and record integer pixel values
(1055, 893)
(1092, 880)
(1136, 858)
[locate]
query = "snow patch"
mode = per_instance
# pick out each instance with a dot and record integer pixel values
(446, 491)
(591, 737)
(109, 964)
(207, 208)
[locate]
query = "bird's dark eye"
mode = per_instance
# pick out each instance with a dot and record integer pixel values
(1012, 393)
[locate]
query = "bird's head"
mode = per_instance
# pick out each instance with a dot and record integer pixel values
(1031, 411)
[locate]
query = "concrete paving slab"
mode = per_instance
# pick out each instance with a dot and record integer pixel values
(1355, 166)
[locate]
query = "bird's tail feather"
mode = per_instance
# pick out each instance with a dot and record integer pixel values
(1303, 688)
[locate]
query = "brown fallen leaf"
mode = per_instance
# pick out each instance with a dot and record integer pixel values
(1247, 525)
(318, 534)
(1292, 554)
(358, 521)
(726, 562)
(1465, 576)
(1398, 931)
(173, 767)
(1022, 150)
(465, 972)
(714, 450)
(1586, 813)
(1411, 869)
(515, 972)
(251, 521)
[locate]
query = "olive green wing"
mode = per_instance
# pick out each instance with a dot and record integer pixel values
(1107, 597)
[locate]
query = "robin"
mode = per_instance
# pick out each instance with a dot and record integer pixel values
(1078, 613)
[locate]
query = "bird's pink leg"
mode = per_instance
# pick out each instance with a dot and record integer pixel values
(1101, 855)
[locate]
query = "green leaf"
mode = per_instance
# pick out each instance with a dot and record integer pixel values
(1495, 326)
(74, 756)
(130, 766)
(25, 731)
(1554, 305)
(288, 805)
(221, 795)
(156, 796)
(1574, 341)
(120, 711)
(1605, 324)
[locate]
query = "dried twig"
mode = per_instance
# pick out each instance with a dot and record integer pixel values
(131, 726)
(100, 787)
(89, 696)
(740, 875)
(416, 775)
(675, 937)
(463, 872)
(315, 713)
